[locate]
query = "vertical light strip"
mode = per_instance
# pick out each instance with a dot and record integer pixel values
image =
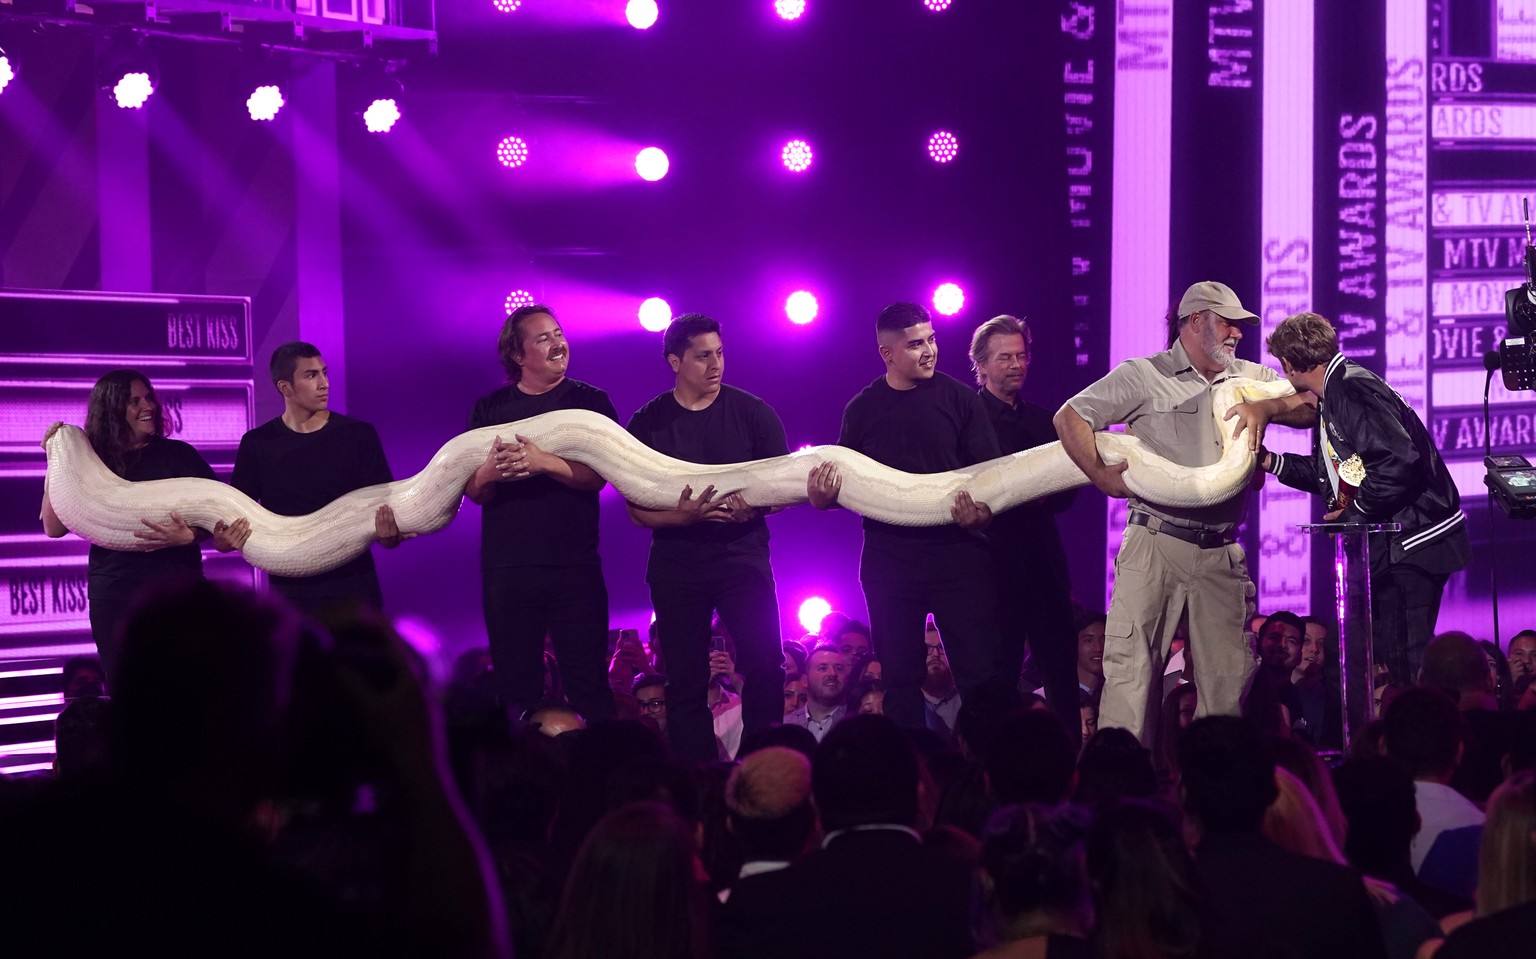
(1285, 552)
(1143, 177)
(317, 222)
(1407, 196)
(122, 171)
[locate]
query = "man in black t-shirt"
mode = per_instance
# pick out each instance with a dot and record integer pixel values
(1029, 562)
(918, 420)
(301, 461)
(710, 554)
(539, 565)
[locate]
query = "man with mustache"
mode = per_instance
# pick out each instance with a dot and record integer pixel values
(710, 554)
(299, 462)
(1522, 658)
(539, 567)
(1280, 645)
(1174, 562)
(941, 700)
(916, 419)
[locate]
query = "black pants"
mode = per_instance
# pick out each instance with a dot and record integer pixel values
(965, 610)
(356, 582)
(110, 597)
(745, 598)
(1405, 603)
(1034, 595)
(569, 604)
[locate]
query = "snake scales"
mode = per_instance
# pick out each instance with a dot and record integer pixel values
(106, 510)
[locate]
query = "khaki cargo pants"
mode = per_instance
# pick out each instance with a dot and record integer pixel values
(1157, 580)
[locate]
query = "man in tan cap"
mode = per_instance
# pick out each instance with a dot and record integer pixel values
(1174, 562)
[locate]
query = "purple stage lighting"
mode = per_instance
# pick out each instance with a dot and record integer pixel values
(943, 146)
(512, 152)
(797, 156)
(264, 102)
(801, 307)
(948, 298)
(7, 72)
(937, 6)
(789, 9)
(381, 115)
(652, 163)
(641, 14)
(506, 6)
(132, 90)
(518, 299)
(812, 612)
(655, 314)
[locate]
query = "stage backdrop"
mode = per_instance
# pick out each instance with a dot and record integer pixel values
(1364, 160)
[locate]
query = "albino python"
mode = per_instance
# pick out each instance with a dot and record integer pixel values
(105, 509)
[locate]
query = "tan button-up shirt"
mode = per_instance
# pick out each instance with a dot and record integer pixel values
(1166, 403)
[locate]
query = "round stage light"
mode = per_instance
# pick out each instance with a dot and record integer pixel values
(132, 90)
(943, 146)
(801, 307)
(812, 612)
(381, 116)
(518, 299)
(655, 314)
(641, 14)
(264, 102)
(512, 152)
(789, 9)
(506, 6)
(652, 163)
(7, 72)
(937, 6)
(797, 156)
(948, 298)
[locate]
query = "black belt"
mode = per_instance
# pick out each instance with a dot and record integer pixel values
(1203, 538)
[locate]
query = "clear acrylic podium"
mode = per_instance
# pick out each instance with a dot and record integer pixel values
(1352, 593)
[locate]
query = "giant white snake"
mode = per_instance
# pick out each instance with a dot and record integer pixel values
(106, 509)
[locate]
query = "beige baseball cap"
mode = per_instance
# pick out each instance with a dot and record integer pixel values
(1216, 297)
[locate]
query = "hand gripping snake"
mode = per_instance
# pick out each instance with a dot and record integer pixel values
(106, 510)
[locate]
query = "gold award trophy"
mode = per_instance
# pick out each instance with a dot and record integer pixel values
(1351, 475)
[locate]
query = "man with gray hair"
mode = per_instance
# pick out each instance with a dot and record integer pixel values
(1174, 561)
(1027, 553)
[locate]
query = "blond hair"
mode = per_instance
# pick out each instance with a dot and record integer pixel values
(1295, 822)
(1506, 872)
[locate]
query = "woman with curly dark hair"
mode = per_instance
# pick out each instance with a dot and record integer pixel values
(126, 426)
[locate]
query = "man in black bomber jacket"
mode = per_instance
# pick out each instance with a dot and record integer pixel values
(1374, 461)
